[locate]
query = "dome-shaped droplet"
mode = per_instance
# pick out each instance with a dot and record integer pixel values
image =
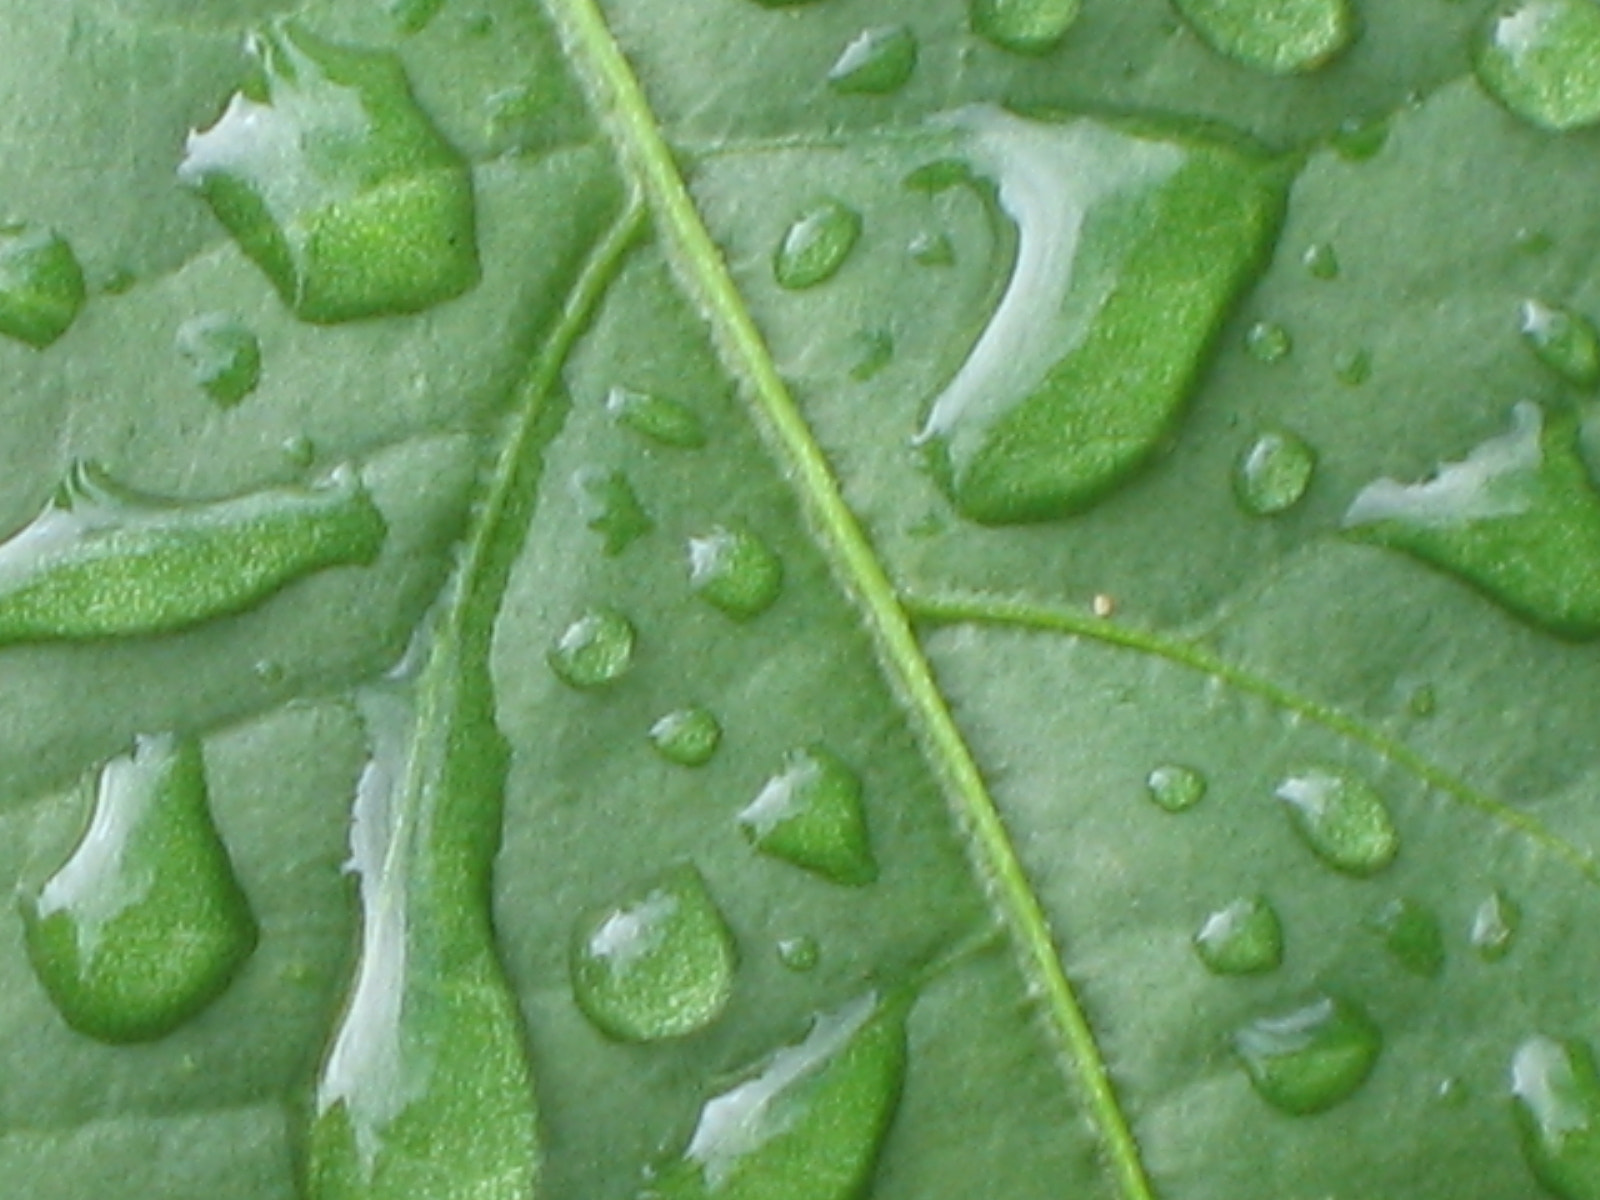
(735, 571)
(1494, 926)
(687, 736)
(810, 814)
(1268, 342)
(1541, 59)
(661, 419)
(1563, 340)
(1342, 819)
(816, 245)
(1555, 1097)
(223, 355)
(932, 250)
(1024, 26)
(595, 650)
(800, 954)
(1321, 261)
(41, 284)
(1311, 1058)
(1241, 938)
(1411, 933)
(1274, 474)
(1175, 788)
(1280, 37)
(877, 61)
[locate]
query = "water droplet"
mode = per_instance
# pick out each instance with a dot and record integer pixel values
(816, 245)
(688, 737)
(1452, 1092)
(1280, 37)
(1129, 249)
(656, 965)
(1343, 820)
(145, 924)
(611, 508)
(932, 250)
(1360, 139)
(299, 450)
(101, 560)
(1563, 340)
(1268, 342)
(808, 1122)
(1423, 702)
(223, 355)
(1311, 1058)
(800, 954)
(1532, 242)
(41, 284)
(810, 814)
(1516, 520)
(663, 420)
(1353, 367)
(336, 183)
(1412, 936)
(1494, 926)
(1176, 789)
(1555, 1097)
(735, 571)
(876, 62)
(1541, 59)
(876, 352)
(1243, 938)
(1024, 26)
(595, 650)
(1321, 261)
(1274, 473)
(412, 15)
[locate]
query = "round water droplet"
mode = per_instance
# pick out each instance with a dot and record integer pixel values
(1541, 59)
(41, 284)
(1423, 702)
(1274, 473)
(1175, 788)
(1280, 37)
(1321, 261)
(611, 508)
(1243, 938)
(816, 245)
(1555, 1098)
(735, 571)
(688, 737)
(1353, 367)
(810, 814)
(1024, 26)
(1343, 820)
(1412, 936)
(1267, 342)
(800, 954)
(932, 250)
(659, 964)
(663, 420)
(1494, 926)
(299, 450)
(1563, 340)
(876, 62)
(595, 650)
(223, 355)
(1311, 1058)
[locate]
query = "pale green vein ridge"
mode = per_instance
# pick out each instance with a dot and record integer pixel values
(619, 99)
(978, 609)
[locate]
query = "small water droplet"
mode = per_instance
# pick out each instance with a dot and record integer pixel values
(1274, 473)
(1242, 938)
(145, 924)
(816, 245)
(810, 814)
(1541, 60)
(611, 508)
(336, 183)
(118, 281)
(656, 965)
(412, 15)
(1024, 26)
(595, 650)
(1268, 342)
(1555, 1098)
(1423, 702)
(299, 450)
(662, 419)
(876, 62)
(1563, 340)
(1532, 242)
(1342, 819)
(223, 355)
(1412, 936)
(800, 954)
(876, 351)
(932, 250)
(1494, 926)
(1311, 1058)
(514, 118)
(1280, 37)
(1353, 367)
(1176, 788)
(269, 671)
(1321, 261)
(1452, 1092)
(735, 571)
(1359, 139)
(688, 736)
(41, 284)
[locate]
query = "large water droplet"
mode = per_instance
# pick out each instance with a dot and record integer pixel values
(595, 650)
(735, 571)
(1242, 938)
(103, 561)
(808, 1123)
(1412, 936)
(1281, 37)
(657, 965)
(816, 245)
(1517, 519)
(1564, 340)
(1541, 59)
(41, 284)
(1176, 788)
(1311, 1058)
(1024, 26)
(876, 62)
(223, 356)
(810, 814)
(335, 182)
(611, 508)
(688, 736)
(1494, 926)
(1274, 473)
(145, 924)
(663, 420)
(1343, 820)
(1130, 247)
(1555, 1097)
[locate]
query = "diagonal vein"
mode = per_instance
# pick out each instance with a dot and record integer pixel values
(619, 99)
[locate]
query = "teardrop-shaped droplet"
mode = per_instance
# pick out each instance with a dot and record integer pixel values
(1130, 248)
(1555, 1097)
(1343, 820)
(816, 245)
(103, 561)
(874, 352)
(41, 284)
(1268, 342)
(1241, 938)
(687, 736)
(810, 814)
(335, 182)
(807, 1124)
(932, 250)
(223, 355)
(876, 62)
(1494, 926)
(1274, 473)
(1175, 788)
(800, 954)
(1311, 1058)
(1412, 935)
(145, 924)
(663, 420)
(1541, 59)
(735, 571)
(1322, 261)
(1563, 340)
(1517, 519)
(1280, 37)
(611, 508)
(1024, 26)
(656, 965)
(595, 650)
